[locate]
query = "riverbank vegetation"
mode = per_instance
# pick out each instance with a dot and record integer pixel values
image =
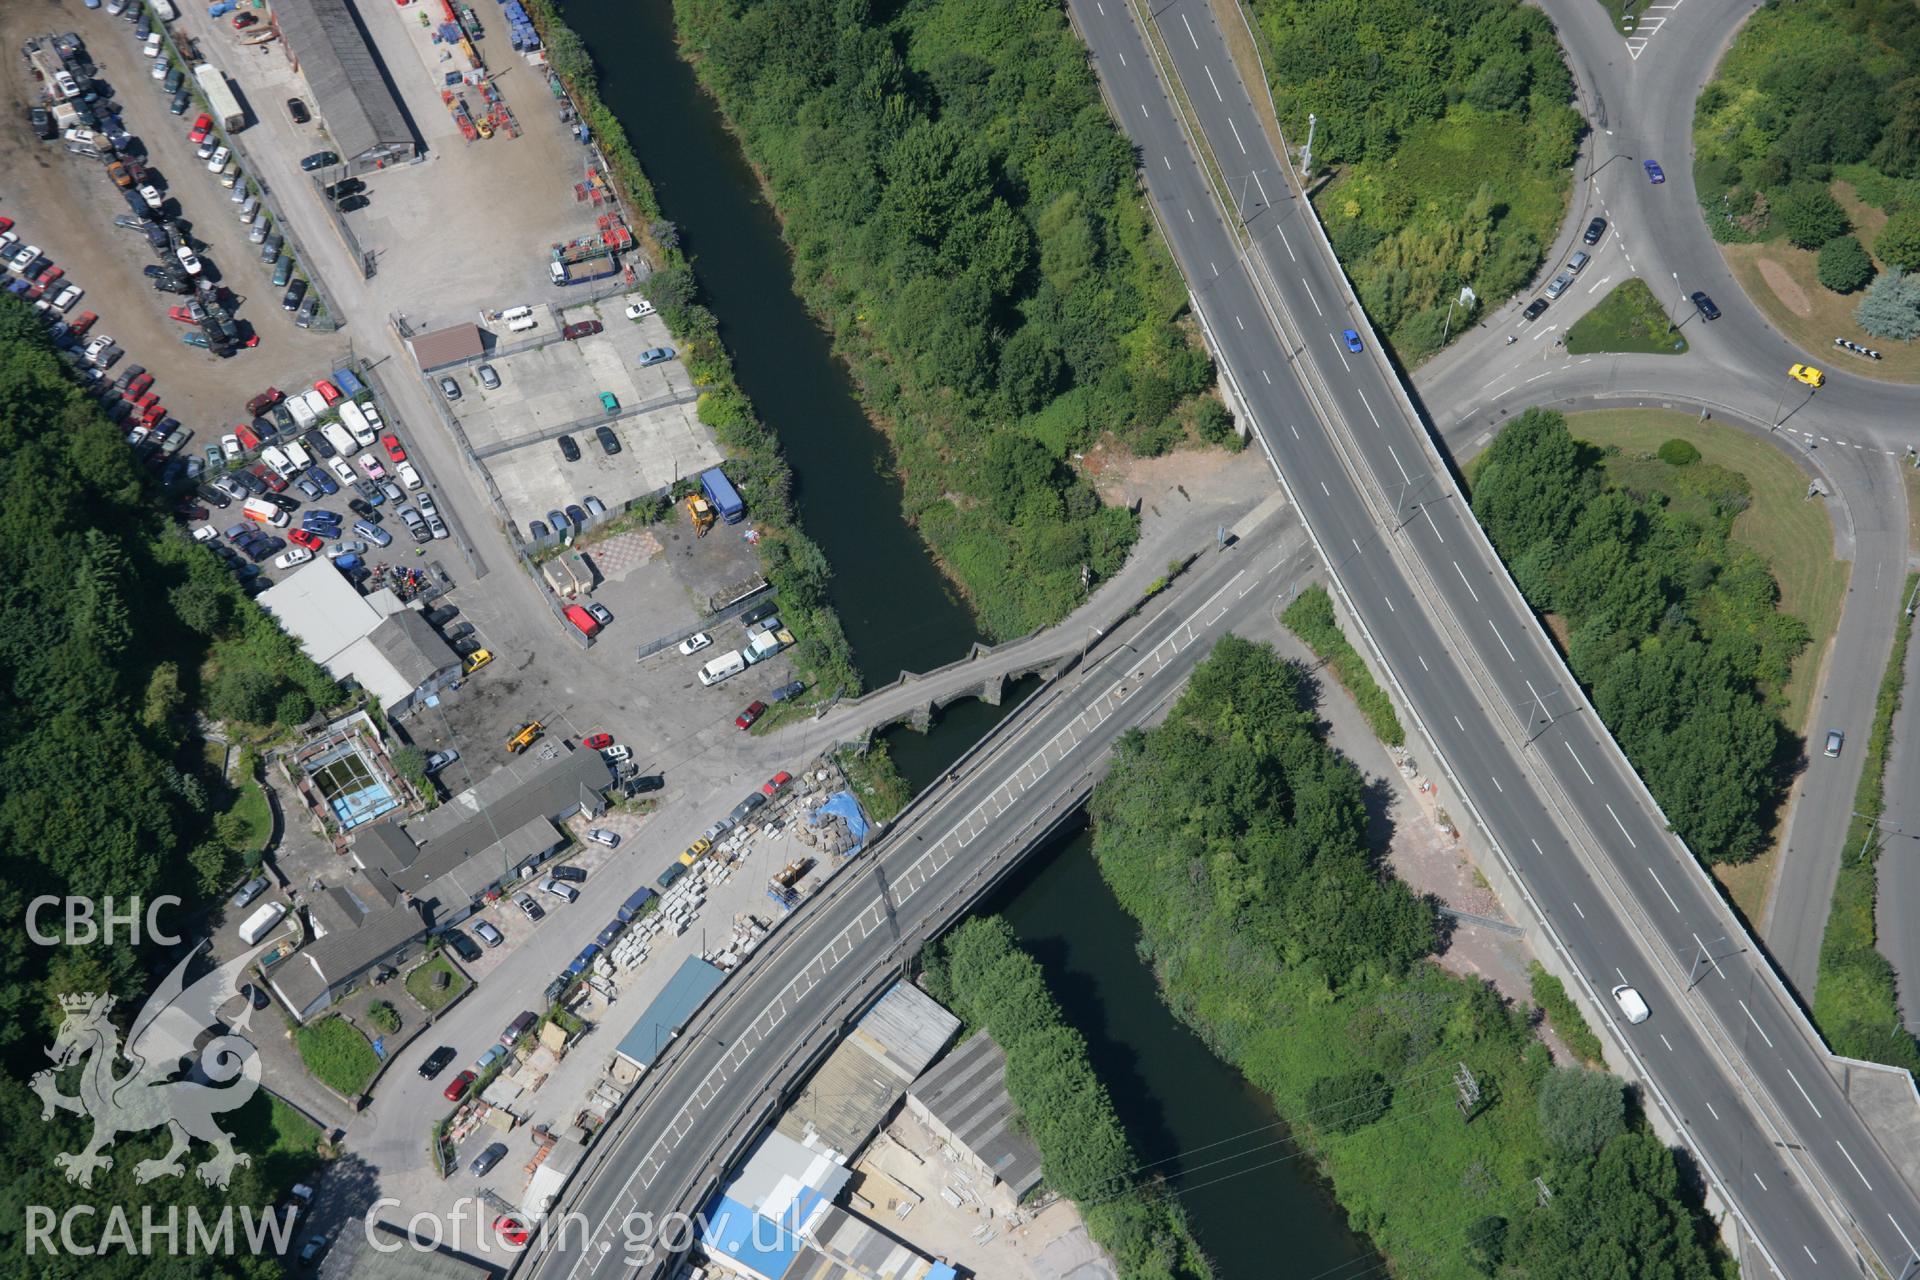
(1673, 627)
(1855, 1002)
(794, 564)
(964, 217)
(1237, 839)
(981, 973)
(118, 632)
(1451, 132)
(1311, 618)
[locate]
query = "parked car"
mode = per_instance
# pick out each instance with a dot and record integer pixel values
(441, 759)
(609, 442)
(1595, 229)
(580, 329)
(564, 892)
(1559, 284)
(597, 741)
(656, 355)
(462, 945)
(572, 874)
(319, 160)
(569, 449)
(600, 613)
(695, 643)
(746, 719)
(295, 292)
(1534, 309)
(249, 891)
(457, 1089)
(1704, 305)
(449, 388)
(485, 931)
(298, 110)
(436, 1062)
(600, 835)
(488, 378)
(528, 907)
(484, 1162)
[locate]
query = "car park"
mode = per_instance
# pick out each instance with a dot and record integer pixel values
(656, 355)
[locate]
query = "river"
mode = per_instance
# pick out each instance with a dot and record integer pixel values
(1256, 1212)
(899, 611)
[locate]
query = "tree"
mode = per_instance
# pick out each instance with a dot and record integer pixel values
(1891, 307)
(1844, 264)
(1810, 215)
(1349, 1101)
(1898, 243)
(1581, 1110)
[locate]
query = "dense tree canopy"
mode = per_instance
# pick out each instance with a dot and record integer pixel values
(1237, 839)
(1672, 626)
(964, 215)
(114, 627)
(1452, 125)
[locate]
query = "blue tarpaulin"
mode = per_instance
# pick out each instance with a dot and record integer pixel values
(842, 804)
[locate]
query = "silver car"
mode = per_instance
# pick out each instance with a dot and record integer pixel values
(1560, 284)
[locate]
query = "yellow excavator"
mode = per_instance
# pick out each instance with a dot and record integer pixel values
(701, 512)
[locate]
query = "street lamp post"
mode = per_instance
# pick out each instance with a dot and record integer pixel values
(1679, 295)
(1306, 152)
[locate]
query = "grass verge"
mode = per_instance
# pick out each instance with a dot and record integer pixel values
(1311, 618)
(1854, 1001)
(1629, 319)
(420, 984)
(882, 792)
(337, 1055)
(1551, 995)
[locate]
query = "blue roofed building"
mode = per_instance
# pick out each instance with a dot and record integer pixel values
(776, 1220)
(685, 991)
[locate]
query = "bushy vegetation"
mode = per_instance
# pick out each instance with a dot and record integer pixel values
(1844, 265)
(1855, 1003)
(337, 1055)
(1453, 127)
(1671, 626)
(1311, 618)
(116, 630)
(981, 972)
(1891, 307)
(1628, 319)
(882, 792)
(965, 218)
(793, 562)
(1808, 93)
(1551, 995)
(1237, 839)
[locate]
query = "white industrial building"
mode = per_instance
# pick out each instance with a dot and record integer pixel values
(373, 641)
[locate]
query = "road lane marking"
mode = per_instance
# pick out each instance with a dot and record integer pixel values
(1283, 235)
(1210, 80)
(1809, 1098)
(1856, 1168)
(1663, 887)
(1903, 1235)
(1325, 490)
(1149, 115)
(1428, 513)
(1623, 829)
(1536, 846)
(1756, 1024)
(1189, 27)
(1390, 608)
(1242, 323)
(1710, 957)
(1576, 907)
(1423, 663)
(1264, 197)
(1236, 134)
(1294, 429)
(1576, 760)
(1369, 405)
(1496, 784)
(1310, 298)
(1189, 215)
(1339, 349)
(1710, 1110)
(1456, 721)
(1263, 376)
(1756, 1178)
(1666, 1042)
(1463, 578)
(1810, 1258)
(1123, 62)
(1502, 639)
(1396, 462)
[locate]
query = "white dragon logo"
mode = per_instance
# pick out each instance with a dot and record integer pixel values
(148, 1096)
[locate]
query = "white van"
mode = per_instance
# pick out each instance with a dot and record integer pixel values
(343, 443)
(265, 512)
(297, 455)
(519, 319)
(273, 457)
(303, 414)
(355, 420)
(1631, 1004)
(316, 404)
(727, 664)
(261, 922)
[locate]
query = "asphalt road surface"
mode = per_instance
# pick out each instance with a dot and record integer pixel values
(1726, 1054)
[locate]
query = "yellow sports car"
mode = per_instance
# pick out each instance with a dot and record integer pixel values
(1808, 374)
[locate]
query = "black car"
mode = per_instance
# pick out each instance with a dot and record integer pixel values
(572, 875)
(319, 160)
(210, 494)
(282, 501)
(436, 1062)
(291, 298)
(181, 101)
(442, 615)
(484, 1162)
(1704, 305)
(608, 441)
(557, 988)
(463, 946)
(469, 645)
(317, 441)
(1534, 309)
(363, 509)
(298, 110)
(255, 996)
(344, 188)
(42, 122)
(1595, 229)
(353, 204)
(644, 783)
(569, 449)
(283, 419)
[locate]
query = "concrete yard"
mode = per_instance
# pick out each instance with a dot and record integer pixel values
(555, 387)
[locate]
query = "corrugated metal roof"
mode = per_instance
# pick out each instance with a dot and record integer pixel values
(867, 1073)
(966, 1091)
(360, 110)
(685, 991)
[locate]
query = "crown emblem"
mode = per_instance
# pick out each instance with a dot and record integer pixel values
(80, 1002)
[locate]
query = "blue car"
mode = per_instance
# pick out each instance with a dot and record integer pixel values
(1353, 340)
(577, 516)
(656, 355)
(323, 478)
(1654, 173)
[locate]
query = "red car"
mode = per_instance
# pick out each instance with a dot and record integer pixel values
(264, 401)
(183, 314)
(188, 511)
(584, 328)
(753, 712)
(777, 783)
(248, 440)
(202, 126)
(154, 414)
(241, 21)
(457, 1087)
(50, 275)
(597, 742)
(138, 387)
(273, 482)
(6, 224)
(394, 451)
(300, 537)
(81, 323)
(588, 624)
(146, 401)
(327, 390)
(511, 1229)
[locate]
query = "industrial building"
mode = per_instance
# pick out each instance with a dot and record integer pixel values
(867, 1074)
(964, 1101)
(327, 44)
(685, 992)
(776, 1220)
(373, 641)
